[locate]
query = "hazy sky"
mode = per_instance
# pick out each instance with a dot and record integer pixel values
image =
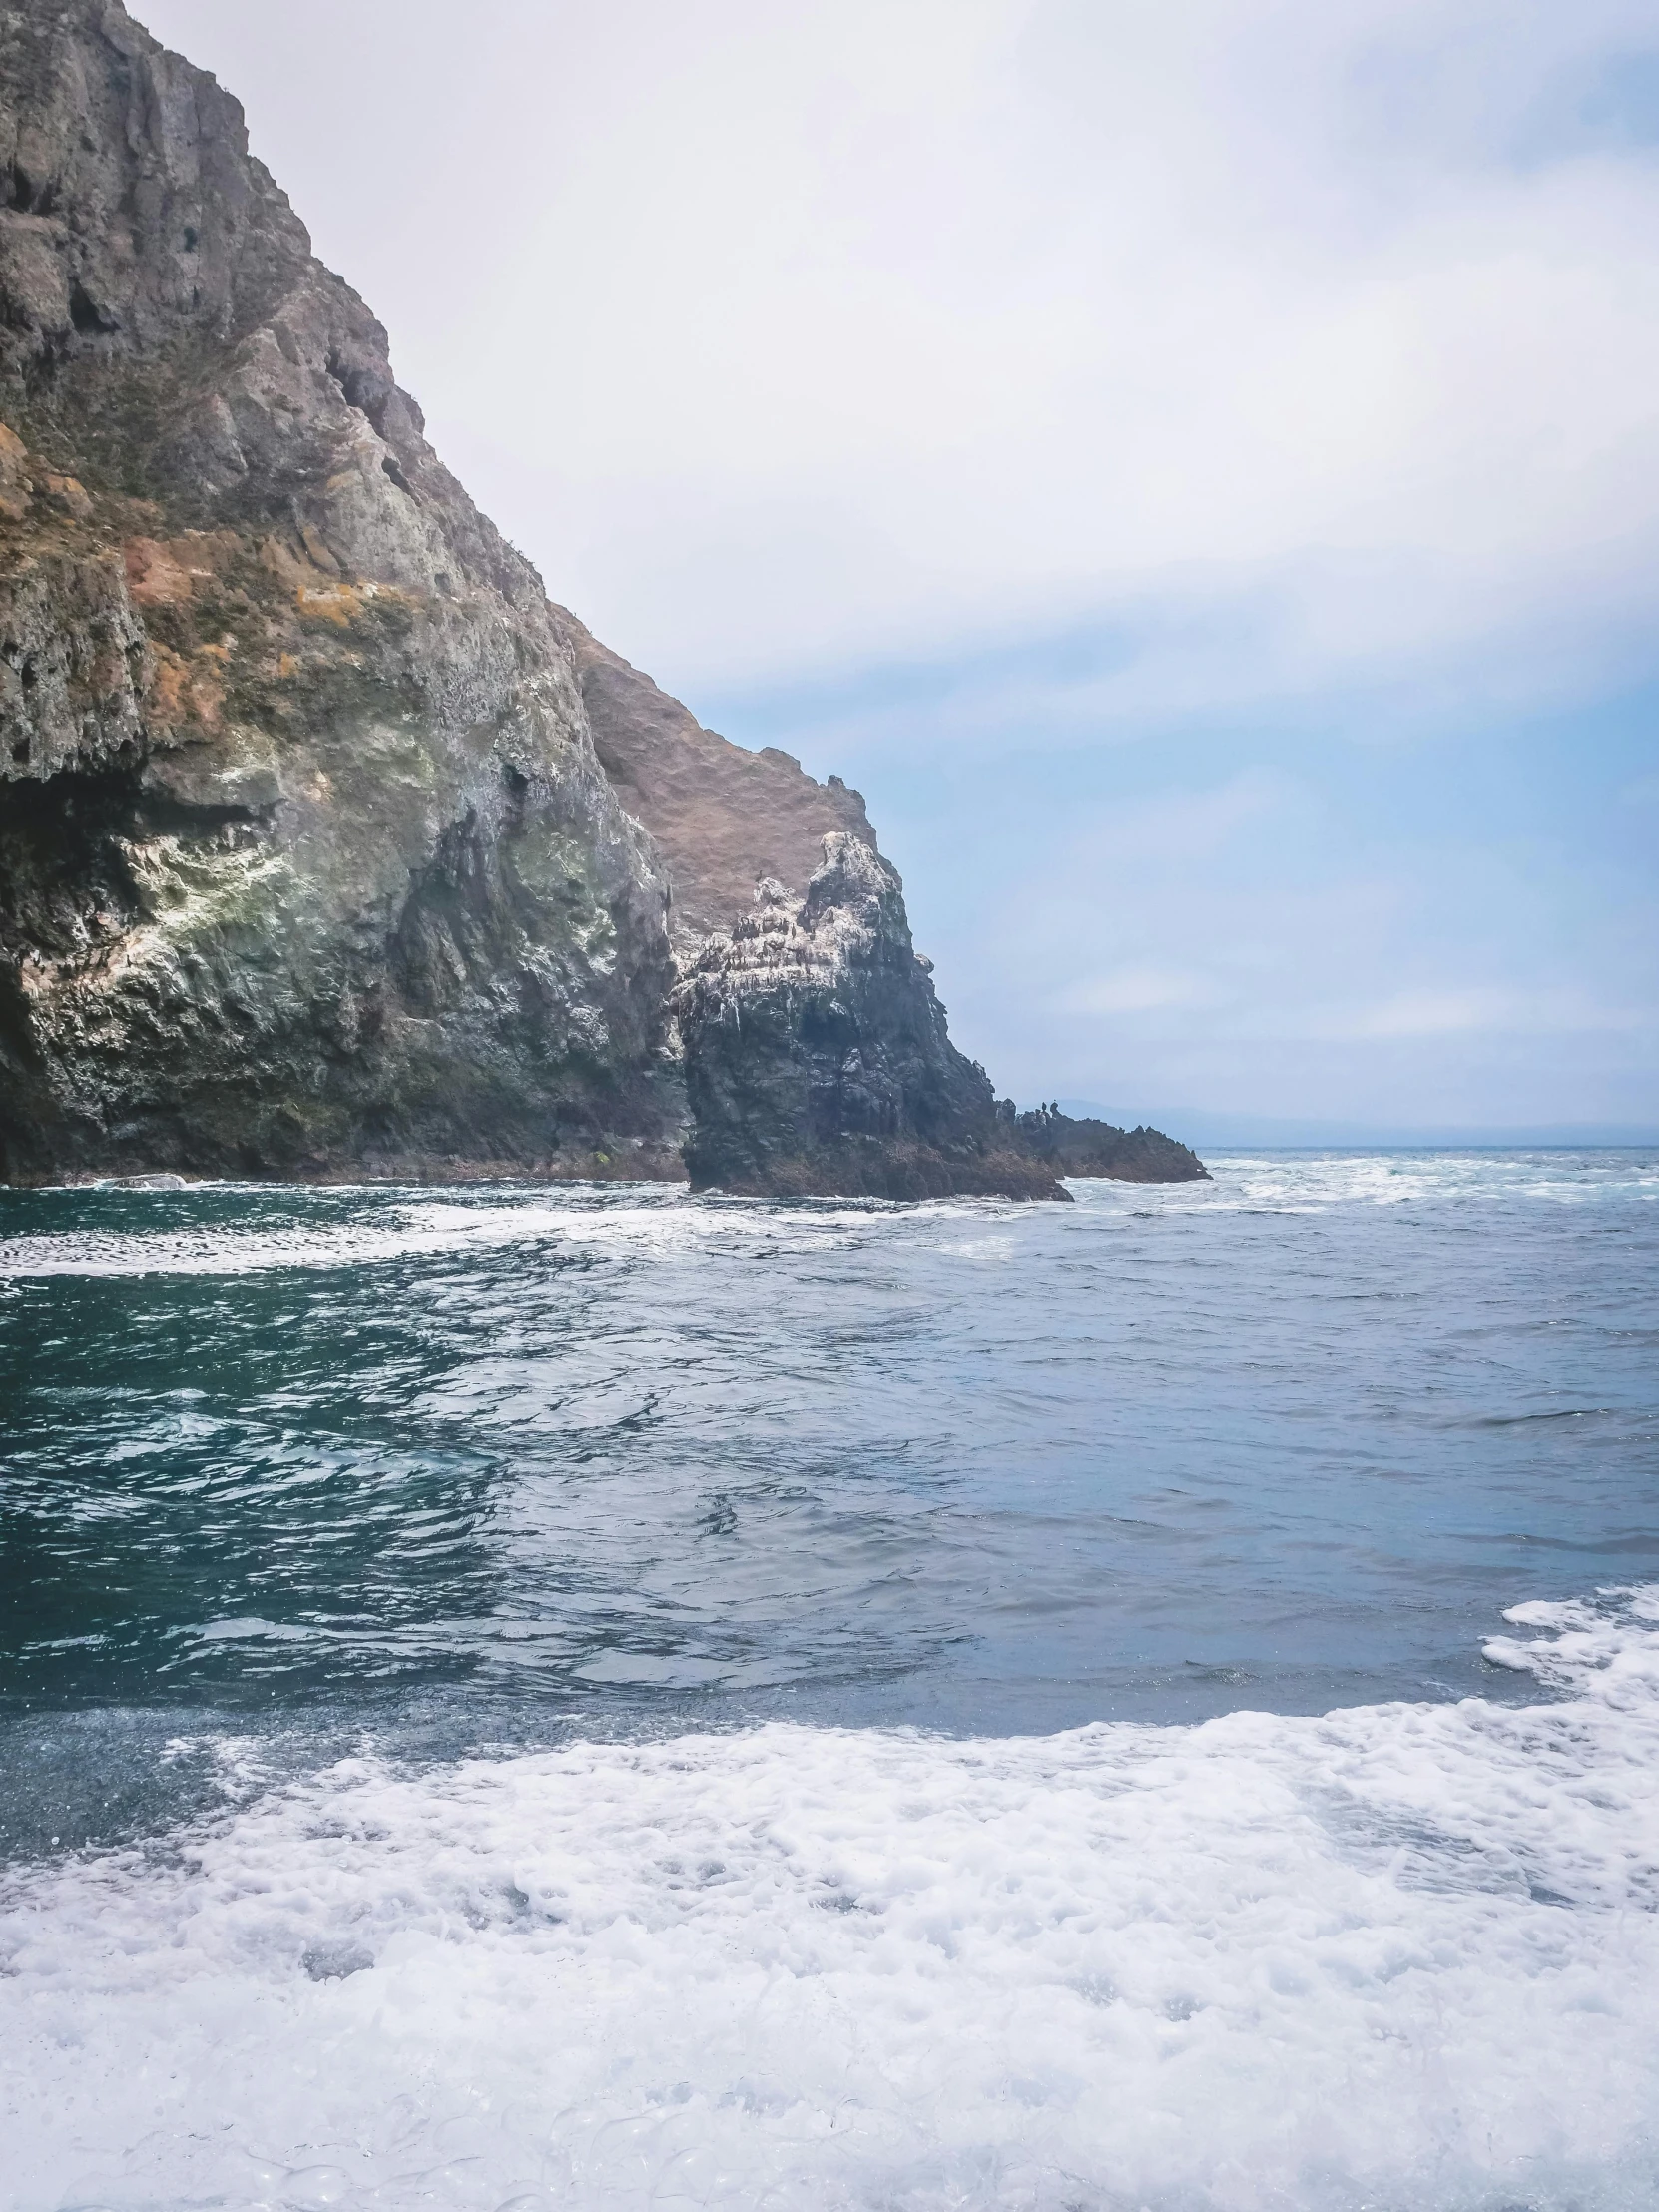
(1193, 463)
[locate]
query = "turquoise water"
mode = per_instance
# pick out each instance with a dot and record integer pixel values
(363, 1513)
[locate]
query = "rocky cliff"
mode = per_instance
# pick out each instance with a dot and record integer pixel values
(307, 859)
(816, 1055)
(328, 846)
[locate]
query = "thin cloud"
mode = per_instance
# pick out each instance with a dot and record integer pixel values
(1183, 828)
(784, 338)
(1137, 990)
(1448, 1013)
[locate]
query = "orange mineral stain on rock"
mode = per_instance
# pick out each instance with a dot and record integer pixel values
(335, 603)
(15, 489)
(70, 496)
(155, 578)
(185, 692)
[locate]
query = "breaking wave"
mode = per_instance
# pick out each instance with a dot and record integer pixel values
(352, 1226)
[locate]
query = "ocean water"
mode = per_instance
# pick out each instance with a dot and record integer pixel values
(598, 1698)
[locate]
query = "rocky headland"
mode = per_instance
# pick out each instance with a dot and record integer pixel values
(1082, 1148)
(329, 847)
(817, 1059)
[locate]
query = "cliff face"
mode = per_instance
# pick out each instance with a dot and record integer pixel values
(306, 858)
(816, 1055)
(328, 846)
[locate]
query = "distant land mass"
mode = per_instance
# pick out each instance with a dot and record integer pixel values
(329, 847)
(1211, 1128)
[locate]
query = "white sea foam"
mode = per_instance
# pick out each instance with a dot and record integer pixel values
(402, 1232)
(1404, 1957)
(642, 1220)
(621, 1220)
(1316, 1181)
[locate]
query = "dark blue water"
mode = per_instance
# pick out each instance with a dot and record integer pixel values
(483, 1467)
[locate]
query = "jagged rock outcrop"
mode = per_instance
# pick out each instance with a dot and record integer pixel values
(307, 859)
(328, 846)
(722, 818)
(817, 1059)
(1085, 1149)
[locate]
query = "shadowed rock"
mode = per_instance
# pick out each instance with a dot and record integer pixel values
(818, 1058)
(1085, 1149)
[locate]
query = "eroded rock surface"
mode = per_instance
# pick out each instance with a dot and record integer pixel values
(307, 859)
(818, 1058)
(722, 818)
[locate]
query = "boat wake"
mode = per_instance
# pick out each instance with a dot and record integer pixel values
(1398, 1957)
